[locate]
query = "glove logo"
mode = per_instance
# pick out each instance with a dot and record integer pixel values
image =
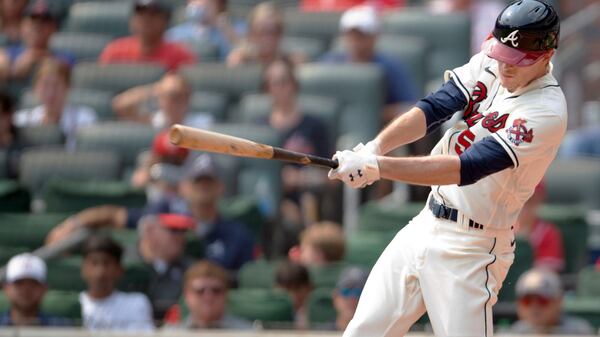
(518, 133)
(512, 37)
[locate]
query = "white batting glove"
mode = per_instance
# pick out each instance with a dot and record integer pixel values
(355, 169)
(371, 147)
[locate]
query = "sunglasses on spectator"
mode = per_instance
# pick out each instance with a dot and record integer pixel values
(528, 300)
(350, 292)
(212, 290)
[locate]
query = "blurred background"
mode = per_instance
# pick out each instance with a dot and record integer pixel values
(105, 225)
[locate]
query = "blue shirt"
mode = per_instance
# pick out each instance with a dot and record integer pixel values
(190, 34)
(399, 84)
(42, 320)
(14, 52)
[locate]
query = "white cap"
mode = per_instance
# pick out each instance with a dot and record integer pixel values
(361, 18)
(26, 266)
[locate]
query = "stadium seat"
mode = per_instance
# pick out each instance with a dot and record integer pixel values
(448, 36)
(7, 252)
(320, 307)
(364, 248)
(38, 166)
(127, 139)
(233, 82)
(3, 164)
(246, 210)
(317, 25)
(265, 305)
(574, 181)
(523, 262)
(242, 8)
(83, 46)
(311, 48)
(74, 196)
(326, 276)
(64, 304)
(15, 234)
(101, 17)
(257, 274)
(211, 102)
(13, 197)
(377, 216)
(255, 107)
(357, 88)
(587, 308)
(588, 284)
(40, 136)
(206, 51)
(98, 100)
(115, 78)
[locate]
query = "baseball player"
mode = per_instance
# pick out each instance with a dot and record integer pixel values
(451, 259)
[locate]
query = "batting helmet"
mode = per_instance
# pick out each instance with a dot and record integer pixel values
(525, 30)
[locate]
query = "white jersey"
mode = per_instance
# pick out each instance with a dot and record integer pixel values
(529, 124)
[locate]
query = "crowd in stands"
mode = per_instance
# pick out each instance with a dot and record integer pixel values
(197, 258)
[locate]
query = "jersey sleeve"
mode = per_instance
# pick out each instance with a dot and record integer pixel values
(531, 134)
(466, 76)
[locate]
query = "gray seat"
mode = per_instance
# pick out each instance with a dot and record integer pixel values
(205, 50)
(40, 136)
(448, 36)
(98, 100)
(101, 17)
(212, 102)
(37, 166)
(233, 82)
(320, 25)
(126, 139)
(574, 181)
(115, 78)
(311, 48)
(83, 46)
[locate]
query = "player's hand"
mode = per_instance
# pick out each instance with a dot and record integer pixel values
(371, 147)
(355, 169)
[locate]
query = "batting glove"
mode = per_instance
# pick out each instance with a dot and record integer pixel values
(371, 147)
(355, 169)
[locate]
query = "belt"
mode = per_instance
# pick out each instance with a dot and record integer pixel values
(448, 213)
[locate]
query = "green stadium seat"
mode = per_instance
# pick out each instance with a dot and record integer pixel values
(83, 46)
(448, 36)
(357, 88)
(257, 274)
(13, 197)
(38, 166)
(211, 102)
(265, 305)
(522, 263)
(326, 276)
(40, 136)
(378, 216)
(317, 25)
(587, 308)
(246, 210)
(74, 196)
(364, 248)
(27, 233)
(7, 252)
(574, 181)
(254, 107)
(127, 139)
(101, 17)
(98, 100)
(311, 48)
(242, 8)
(233, 82)
(3, 164)
(320, 307)
(64, 304)
(206, 51)
(587, 282)
(115, 78)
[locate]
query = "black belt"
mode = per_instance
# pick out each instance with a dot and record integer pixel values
(448, 213)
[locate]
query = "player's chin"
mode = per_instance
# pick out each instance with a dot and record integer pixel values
(508, 82)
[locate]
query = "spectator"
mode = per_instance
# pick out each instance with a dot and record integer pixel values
(346, 294)
(205, 290)
(359, 27)
(40, 23)
(11, 16)
(148, 24)
(207, 22)
(163, 152)
(162, 247)
(103, 307)
(263, 43)
(301, 133)
(583, 142)
(321, 244)
(228, 243)
(295, 280)
(342, 5)
(51, 88)
(540, 295)
(545, 238)
(8, 134)
(25, 288)
(173, 94)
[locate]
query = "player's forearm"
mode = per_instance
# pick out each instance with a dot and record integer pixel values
(103, 216)
(127, 104)
(427, 171)
(405, 129)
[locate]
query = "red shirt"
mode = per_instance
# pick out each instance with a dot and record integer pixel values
(342, 5)
(171, 55)
(546, 240)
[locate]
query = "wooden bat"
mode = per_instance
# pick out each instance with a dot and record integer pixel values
(203, 140)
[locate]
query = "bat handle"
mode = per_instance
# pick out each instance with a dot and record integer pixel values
(302, 158)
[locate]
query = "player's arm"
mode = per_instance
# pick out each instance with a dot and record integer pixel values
(428, 114)
(482, 159)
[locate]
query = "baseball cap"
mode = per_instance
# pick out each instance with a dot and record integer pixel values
(540, 282)
(353, 278)
(163, 147)
(176, 221)
(158, 5)
(40, 9)
(361, 18)
(26, 266)
(202, 166)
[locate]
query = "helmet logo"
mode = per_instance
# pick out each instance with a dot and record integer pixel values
(512, 37)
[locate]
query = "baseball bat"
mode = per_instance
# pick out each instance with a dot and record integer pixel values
(203, 140)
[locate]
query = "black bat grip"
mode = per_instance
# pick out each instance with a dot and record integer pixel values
(303, 158)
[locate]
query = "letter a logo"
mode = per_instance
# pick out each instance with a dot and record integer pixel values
(512, 37)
